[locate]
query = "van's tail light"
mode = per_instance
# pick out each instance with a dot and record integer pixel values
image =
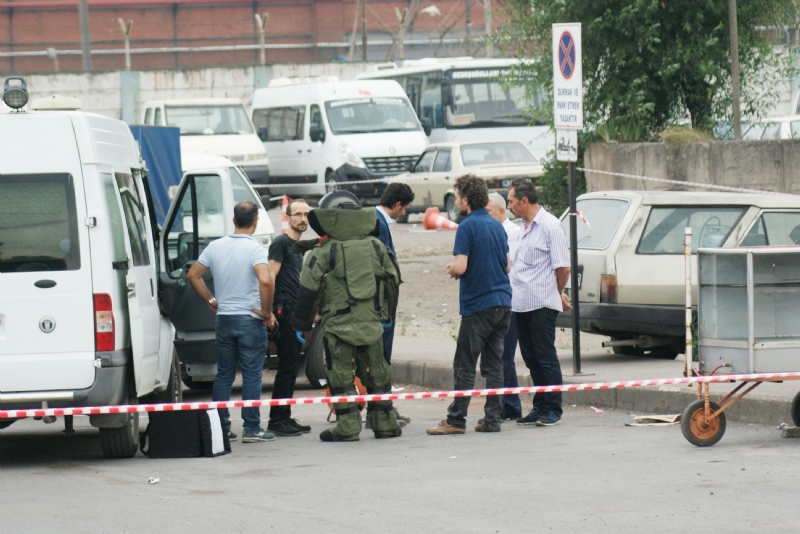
(608, 288)
(103, 323)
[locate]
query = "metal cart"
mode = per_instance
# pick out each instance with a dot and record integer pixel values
(748, 322)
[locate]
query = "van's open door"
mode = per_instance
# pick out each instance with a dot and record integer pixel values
(140, 279)
(195, 218)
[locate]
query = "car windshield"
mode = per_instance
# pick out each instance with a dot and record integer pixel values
(599, 220)
(478, 98)
(490, 153)
(209, 120)
(370, 115)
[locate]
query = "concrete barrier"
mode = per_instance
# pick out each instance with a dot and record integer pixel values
(763, 165)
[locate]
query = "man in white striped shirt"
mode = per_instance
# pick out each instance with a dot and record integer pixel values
(539, 273)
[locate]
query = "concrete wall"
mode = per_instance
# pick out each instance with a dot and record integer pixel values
(761, 165)
(120, 94)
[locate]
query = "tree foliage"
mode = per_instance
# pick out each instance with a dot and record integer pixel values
(649, 63)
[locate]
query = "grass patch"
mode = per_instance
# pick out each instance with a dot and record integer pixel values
(678, 135)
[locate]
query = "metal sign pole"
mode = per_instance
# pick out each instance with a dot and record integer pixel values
(573, 259)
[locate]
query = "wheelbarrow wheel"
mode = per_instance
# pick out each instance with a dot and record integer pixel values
(796, 410)
(694, 427)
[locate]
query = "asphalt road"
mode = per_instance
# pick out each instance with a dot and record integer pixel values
(590, 474)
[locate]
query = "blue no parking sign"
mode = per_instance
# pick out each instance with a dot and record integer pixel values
(567, 77)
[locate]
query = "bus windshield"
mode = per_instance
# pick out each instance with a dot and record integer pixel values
(209, 120)
(370, 115)
(478, 98)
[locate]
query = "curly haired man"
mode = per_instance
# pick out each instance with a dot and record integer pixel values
(481, 265)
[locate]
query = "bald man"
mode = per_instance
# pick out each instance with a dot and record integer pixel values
(511, 407)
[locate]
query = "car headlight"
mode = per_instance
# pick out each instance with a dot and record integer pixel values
(266, 240)
(351, 157)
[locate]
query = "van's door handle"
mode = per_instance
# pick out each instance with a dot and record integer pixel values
(131, 290)
(309, 150)
(301, 151)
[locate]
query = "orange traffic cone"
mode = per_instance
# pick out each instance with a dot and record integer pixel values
(284, 220)
(433, 220)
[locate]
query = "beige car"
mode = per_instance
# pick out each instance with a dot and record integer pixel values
(631, 264)
(498, 162)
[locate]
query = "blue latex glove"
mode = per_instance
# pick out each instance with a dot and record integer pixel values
(300, 337)
(387, 325)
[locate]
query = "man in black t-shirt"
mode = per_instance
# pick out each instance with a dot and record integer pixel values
(285, 269)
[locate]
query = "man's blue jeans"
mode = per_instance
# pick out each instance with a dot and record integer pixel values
(242, 342)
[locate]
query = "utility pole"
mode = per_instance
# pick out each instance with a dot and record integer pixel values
(737, 118)
(469, 17)
(261, 23)
(364, 31)
(86, 44)
(126, 31)
(487, 17)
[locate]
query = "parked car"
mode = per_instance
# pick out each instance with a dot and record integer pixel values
(434, 173)
(216, 126)
(781, 127)
(631, 265)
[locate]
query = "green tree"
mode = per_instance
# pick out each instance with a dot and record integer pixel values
(647, 63)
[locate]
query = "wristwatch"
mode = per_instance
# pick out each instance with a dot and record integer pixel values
(212, 301)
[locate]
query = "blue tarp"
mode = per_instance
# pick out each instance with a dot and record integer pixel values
(161, 151)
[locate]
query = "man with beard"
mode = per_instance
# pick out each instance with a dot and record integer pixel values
(481, 265)
(285, 268)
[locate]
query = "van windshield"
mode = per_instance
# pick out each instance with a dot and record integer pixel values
(38, 224)
(599, 220)
(370, 115)
(209, 120)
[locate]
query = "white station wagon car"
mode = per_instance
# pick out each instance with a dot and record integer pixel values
(631, 264)
(498, 162)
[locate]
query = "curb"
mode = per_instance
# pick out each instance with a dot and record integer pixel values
(753, 409)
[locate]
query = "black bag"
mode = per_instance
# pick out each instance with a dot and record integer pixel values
(185, 434)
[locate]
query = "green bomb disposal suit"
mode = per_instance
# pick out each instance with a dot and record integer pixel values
(352, 280)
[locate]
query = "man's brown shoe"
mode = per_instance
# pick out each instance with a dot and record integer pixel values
(481, 427)
(445, 428)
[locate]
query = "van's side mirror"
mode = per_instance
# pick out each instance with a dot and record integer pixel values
(427, 126)
(316, 133)
(263, 133)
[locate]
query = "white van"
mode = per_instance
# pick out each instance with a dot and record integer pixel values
(216, 126)
(89, 285)
(320, 134)
(216, 185)
(80, 323)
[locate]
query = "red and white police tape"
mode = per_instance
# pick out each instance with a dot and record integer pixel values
(95, 410)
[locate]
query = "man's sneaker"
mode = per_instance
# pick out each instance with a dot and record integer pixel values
(405, 420)
(305, 429)
(283, 428)
(483, 427)
(248, 436)
(529, 419)
(232, 436)
(444, 429)
(509, 416)
(549, 420)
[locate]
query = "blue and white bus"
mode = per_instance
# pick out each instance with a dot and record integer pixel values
(465, 100)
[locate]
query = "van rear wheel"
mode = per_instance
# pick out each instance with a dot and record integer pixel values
(122, 442)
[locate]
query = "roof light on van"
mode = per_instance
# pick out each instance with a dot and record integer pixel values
(15, 92)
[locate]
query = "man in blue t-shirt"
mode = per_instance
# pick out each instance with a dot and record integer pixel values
(481, 265)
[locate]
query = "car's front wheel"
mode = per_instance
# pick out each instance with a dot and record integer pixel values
(451, 209)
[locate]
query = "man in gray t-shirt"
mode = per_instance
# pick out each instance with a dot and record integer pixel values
(243, 307)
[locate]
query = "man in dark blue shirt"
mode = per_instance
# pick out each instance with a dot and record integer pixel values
(395, 200)
(481, 265)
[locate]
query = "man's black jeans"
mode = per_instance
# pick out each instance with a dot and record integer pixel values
(481, 334)
(537, 343)
(288, 365)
